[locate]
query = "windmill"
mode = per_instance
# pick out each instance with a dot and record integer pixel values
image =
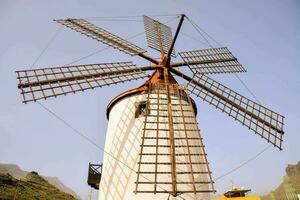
(153, 146)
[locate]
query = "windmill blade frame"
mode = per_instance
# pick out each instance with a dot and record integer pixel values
(261, 120)
(172, 157)
(159, 35)
(211, 61)
(100, 34)
(35, 84)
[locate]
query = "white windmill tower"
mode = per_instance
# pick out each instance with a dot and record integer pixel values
(153, 147)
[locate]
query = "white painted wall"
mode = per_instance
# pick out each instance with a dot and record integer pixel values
(122, 143)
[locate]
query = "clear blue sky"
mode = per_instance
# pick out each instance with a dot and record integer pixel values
(263, 34)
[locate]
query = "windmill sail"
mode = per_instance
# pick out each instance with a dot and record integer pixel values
(263, 121)
(44, 83)
(159, 36)
(153, 146)
(177, 163)
(97, 33)
(211, 61)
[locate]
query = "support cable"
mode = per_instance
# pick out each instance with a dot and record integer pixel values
(199, 30)
(91, 141)
(100, 50)
(244, 163)
(90, 54)
(99, 147)
(220, 45)
(191, 37)
(114, 20)
(45, 48)
(69, 125)
(129, 16)
(106, 48)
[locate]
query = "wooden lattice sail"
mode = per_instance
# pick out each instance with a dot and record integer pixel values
(159, 36)
(49, 82)
(172, 156)
(153, 145)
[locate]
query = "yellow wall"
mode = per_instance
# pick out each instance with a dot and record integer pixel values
(240, 198)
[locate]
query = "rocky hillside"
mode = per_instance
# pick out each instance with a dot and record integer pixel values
(290, 186)
(16, 172)
(32, 186)
(293, 172)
